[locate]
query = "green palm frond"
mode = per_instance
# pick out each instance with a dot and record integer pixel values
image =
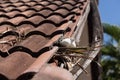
(112, 30)
(111, 66)
(110, 50)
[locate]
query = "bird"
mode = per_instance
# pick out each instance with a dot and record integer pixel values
(68, 42)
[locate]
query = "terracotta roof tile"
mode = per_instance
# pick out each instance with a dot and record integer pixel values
(28, 30)
(17, 62)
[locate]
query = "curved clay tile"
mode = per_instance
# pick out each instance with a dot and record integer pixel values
(30, 31)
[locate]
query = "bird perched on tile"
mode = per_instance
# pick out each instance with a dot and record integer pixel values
(68, 42)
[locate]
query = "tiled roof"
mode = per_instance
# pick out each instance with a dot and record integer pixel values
(28, 30)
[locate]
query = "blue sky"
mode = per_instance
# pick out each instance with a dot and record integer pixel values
(110, 13)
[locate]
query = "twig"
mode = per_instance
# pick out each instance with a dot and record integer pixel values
(82, 68)
(5, 42)
(75, 55)
(3, 47)
(10, 42)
